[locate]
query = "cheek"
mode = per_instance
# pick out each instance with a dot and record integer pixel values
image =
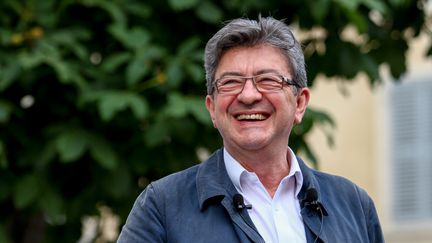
(220, 111)
(218, 108)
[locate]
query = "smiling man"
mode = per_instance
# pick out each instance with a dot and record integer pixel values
(254, 189)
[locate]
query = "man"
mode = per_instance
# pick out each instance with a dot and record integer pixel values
(254, 189)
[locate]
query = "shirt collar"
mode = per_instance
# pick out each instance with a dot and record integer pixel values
(236, 170)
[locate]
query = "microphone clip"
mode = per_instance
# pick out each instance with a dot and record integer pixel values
(239, 204)
(311, 202)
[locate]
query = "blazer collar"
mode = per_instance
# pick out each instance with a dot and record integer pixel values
(313, 220)
(213, 182)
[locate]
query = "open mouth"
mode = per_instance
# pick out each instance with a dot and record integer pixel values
(251, 117)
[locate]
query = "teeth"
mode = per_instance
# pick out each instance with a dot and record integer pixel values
(251, 117)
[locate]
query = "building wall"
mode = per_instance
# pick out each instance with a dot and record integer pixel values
(361, 138)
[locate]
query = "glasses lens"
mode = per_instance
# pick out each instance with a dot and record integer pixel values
(230, 84)
(268, 82)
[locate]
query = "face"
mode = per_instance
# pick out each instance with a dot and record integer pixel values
(252, 120)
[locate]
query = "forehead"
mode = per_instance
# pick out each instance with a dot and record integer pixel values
(250, 60)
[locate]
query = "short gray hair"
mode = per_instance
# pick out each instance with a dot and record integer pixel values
(245, 32)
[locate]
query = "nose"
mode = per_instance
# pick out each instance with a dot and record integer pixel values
(249, 93)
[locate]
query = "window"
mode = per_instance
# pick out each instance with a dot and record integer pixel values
(411, 151)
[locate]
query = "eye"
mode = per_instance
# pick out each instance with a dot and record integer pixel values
(268, 81)
(230, 82)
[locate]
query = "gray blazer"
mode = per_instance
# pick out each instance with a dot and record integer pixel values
(196, 205)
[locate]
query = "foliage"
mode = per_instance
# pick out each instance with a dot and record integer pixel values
(99, 97)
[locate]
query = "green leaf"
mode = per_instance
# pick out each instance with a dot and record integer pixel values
(136, 71)
(174, 73)
(71, 144)
(134, 38)
(117, 183)
(5, 111)
(320, 116)
(380, 6)
(112, 62)
(112, 102)
(319, 9)
(157, 133)
(5, 36)
(183, 4)
(8, 74)
(103, 153)
(65, 72)
(209, 12)
(196, 107)
(143, 10)
(47, 154)
(177, 106)
(370, 67)
(112, 8)
(53, 205)
(3, 156)
(358, 20)
(349, 4)
(196, 72)
(310, 155)
(70, 38)
(31, 60)
(139, 106)
(6, 189)
(26, 191)
(3, 234)
(188, 46)
(401, 3)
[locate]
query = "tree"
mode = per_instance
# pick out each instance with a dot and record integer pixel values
(97, 98)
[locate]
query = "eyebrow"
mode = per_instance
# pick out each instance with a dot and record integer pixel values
(261, 71)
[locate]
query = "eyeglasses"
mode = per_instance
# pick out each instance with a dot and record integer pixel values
(264, 83)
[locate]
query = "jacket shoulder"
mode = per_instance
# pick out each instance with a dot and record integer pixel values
(177, 179)
(340, 189)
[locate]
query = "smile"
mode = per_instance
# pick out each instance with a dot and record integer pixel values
(255, 117)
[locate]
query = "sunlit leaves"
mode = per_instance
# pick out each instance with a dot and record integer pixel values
(118, 88)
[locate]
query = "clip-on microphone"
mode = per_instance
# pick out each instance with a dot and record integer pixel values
(238, 202)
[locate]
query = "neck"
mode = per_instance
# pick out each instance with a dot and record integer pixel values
(270, 168)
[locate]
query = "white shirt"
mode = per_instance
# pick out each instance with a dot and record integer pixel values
(277, 219)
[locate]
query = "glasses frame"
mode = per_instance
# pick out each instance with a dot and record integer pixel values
(284, 80)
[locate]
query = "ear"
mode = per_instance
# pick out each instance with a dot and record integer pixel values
(209, 102)
(302, 103)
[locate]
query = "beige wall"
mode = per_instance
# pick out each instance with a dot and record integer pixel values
(360, 152)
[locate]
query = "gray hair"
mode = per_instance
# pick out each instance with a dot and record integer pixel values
(245, 32)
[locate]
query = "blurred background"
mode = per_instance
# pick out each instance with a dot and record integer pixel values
(98, 98)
